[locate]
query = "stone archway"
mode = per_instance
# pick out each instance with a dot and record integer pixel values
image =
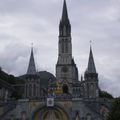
(50, 113)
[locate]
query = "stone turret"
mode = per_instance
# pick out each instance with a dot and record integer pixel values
(32, 84)
(91, 78)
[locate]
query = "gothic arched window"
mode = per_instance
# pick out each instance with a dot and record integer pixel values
(34, 89)
(26, 90)
(91, 90)
(66, 46)
(30, 90)
(62, 46)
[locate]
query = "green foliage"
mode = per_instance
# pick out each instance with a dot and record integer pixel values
(10, 78)
(7, 78)
(115, 112)
(104, 94)
(3, 75)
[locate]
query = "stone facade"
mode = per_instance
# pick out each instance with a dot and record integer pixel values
(86, 109)
(5, 90)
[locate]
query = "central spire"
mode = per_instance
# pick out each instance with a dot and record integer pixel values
(66, 68)
(31, 68)
(64, 13)
(64, 27)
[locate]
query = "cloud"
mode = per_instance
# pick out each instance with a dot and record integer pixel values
(110, 85)
(25, 21)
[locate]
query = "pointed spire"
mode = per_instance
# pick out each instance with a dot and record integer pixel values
(91, 65)
(31, 68)
(64, 13)
(64, 26)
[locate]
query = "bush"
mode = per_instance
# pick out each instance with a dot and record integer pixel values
(115, 112)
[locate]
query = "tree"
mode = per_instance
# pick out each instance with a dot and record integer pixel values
(104, 94)
(11, 79)
(115, 112)
(0, 68)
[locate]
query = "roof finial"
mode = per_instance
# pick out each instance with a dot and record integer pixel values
(32, 45)
(91, 42)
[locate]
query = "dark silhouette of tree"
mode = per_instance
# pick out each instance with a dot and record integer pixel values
(11, 79)
(115, 112)
(104, 94)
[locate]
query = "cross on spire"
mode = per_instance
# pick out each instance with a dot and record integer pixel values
(32, 45)
(91, 42)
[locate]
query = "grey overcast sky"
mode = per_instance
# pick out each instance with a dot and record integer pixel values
(25, 21)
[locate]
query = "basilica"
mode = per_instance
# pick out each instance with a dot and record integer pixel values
(43, 96)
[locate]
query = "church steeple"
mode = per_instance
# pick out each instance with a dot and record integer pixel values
(65, 27)
(64, 13)
(66, 68)
(32, 82)
(91, 65)
(31, 67)
(91, 78)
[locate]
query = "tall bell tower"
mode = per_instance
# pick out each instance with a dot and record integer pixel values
(66, 68)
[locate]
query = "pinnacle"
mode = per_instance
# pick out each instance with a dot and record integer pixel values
(91, 65)
(31, 67)
(64, 13)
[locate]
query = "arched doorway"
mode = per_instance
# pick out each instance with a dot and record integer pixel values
(50, 113)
